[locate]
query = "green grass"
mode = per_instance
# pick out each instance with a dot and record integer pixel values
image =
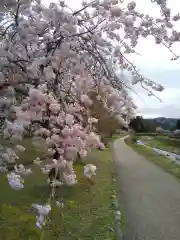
(87, 213)
(162, 142)
(167, 164)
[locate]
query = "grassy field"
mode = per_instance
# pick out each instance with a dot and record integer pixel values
(162, 142)
(87, 213)
(167, 164)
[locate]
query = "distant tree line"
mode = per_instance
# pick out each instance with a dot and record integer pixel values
(178, 124)
(140, 125)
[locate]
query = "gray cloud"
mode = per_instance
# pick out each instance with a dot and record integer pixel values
(151, 107)
(164, 111)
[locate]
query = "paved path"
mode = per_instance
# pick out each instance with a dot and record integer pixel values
(150, 197)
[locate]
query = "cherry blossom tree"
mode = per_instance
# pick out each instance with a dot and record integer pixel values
(52, 59)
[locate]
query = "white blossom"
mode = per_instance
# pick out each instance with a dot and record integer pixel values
(37, 161)
(20, 148)
(43, 211)
(15, 181)
(70, 179)
(89, 170)
(92, 120)
(45, 170)
(20, 169)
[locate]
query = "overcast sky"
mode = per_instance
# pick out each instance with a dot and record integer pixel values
(155, 64)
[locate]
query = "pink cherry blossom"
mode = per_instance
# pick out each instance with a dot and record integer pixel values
(69, 119)
(62, 64)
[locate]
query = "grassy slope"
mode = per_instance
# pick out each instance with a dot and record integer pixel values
(87, 212)
(162, 142)
(161, 161)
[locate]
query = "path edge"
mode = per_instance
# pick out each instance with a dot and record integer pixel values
(118, 215)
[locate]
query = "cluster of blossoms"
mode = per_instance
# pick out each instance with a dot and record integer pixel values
(37, 161)
(15, 181)
(46, 168)
(22, 170)
(43, 211)
(53, 59)
(89, 170)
